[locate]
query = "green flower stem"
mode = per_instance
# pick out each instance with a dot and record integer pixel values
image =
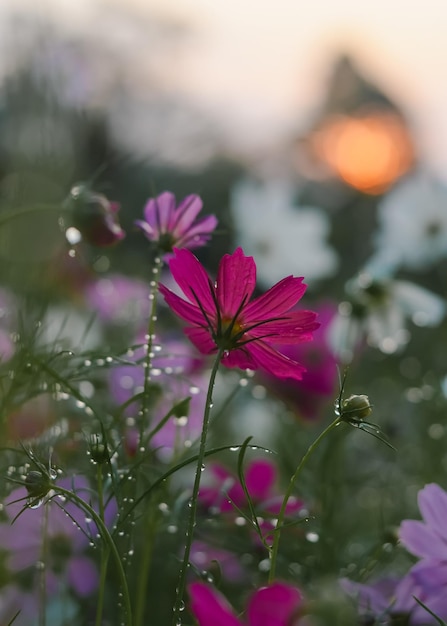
(110, 544)
(282, 512)
(156, 270)
(104, 554)
(148, 546)
(195, 492)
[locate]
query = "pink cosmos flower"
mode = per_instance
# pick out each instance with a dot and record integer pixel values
(174, 226)
(222, 318)
(276, 605)
(95, 217)
(225, 492)
(309, 397)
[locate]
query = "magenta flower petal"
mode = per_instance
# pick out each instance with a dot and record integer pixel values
(158, 211)
(236, 280)
(192, 279)
(241, 359)
(209, 607)
(172, 226)
(432, 500)
(274, 606)
(183, 309)
(201, 339)
(186, 213)
(277, 300)
(274, 362)
(260, 478)
(296, 328)
(199, 233)
(273, 505)
(224, 319)
(420, 540)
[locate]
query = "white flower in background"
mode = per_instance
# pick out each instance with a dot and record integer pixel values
(283, 238)
(413, 226)
(377, 311)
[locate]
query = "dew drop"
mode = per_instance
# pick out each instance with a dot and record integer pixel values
(35, 503)
(264, 565)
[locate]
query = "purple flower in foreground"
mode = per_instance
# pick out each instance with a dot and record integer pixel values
(276, 605)
(391, 601)
(171, 226)
(221, 317)
(427, 539)
(426, 581)
(66, 542)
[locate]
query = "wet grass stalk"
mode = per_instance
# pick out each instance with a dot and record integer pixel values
(109, 545)
(290, 488)
(178, 605)
(105, 552)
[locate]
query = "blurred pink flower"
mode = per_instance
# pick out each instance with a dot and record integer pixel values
(94, 216)
(309, 396)
(171, 226)
(66, 541)
(180, 372)
(275, 605)
(221, 316)
(119, 299)
(205, 555)
(224, 493)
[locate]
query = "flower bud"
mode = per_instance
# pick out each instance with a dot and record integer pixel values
(357, 407)
(94, 216)
(37, 484)
(181, 408)
(98, 449)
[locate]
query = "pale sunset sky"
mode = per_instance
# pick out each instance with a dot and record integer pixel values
(261, 65)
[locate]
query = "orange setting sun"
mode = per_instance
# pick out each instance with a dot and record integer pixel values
(369, 151)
